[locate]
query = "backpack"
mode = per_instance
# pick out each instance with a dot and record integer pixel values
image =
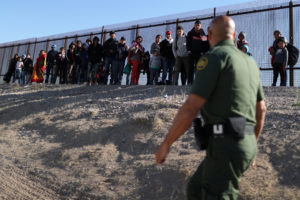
(293, 54)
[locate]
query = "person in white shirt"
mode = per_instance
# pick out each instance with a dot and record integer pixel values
(18, 71)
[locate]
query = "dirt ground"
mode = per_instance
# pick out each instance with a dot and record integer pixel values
(78, 142)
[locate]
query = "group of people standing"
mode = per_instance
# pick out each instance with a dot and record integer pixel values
(92, 63)
(177, 56)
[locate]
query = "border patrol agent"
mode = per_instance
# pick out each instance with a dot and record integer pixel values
(228, 92)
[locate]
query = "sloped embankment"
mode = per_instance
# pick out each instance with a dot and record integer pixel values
(77, 142)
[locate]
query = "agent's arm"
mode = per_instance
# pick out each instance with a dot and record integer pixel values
(260, 117)
(182, 122)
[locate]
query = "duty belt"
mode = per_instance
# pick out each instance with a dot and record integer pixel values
(219, 129)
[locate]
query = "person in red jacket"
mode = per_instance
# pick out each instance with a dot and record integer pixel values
(39, 68)
(136, 53)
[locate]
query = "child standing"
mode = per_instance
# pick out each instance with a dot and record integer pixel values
(242, 40)
(19, 68)
(61, 67)
(155, 64)
(281, 61)
(136, 53)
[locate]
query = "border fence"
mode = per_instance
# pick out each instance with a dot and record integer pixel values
(258, 19)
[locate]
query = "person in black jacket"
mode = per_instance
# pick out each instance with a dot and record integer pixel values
(119, 62)
(28, 68)
(168, 59)
(110, 49)
(51, 55)
(94, 59)
(84, 63)
(61, 67)
(11, 69)
(71, 61)
(196, 46)
(77, 64)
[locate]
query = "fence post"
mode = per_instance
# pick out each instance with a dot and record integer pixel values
(28, 48)
(104, 36)
(291, 19)
(91, 36)
(34, 50)
(47, 45)
(76, 38)
(177, 24)
(137, 32)
(1, 66)
(18, 49)
(215, 12)
(66, 43)
(12, 51)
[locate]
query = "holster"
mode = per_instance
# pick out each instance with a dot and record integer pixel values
(201, 135)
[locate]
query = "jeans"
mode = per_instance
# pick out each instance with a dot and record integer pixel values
(17, 75)
(49, 71)
(154, 74)
(84, 72)
(93, 69)
(28, 76)
(117, 71)
(23, 77)
(168, 65)
(279, 69)
(76, 73)
(107, 68)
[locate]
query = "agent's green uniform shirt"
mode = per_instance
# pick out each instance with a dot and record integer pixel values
(230, 82)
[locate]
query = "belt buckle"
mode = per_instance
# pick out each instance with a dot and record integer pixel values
(218, 129)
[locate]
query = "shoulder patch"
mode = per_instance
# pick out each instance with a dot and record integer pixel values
(202, 63)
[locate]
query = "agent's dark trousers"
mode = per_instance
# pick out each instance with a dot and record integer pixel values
(218, 176)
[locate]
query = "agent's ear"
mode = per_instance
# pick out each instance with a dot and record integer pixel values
(234, 36)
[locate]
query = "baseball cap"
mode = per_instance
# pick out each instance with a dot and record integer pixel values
(169, 32)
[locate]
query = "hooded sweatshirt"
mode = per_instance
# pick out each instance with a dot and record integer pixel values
(179, 47)
(195, 44)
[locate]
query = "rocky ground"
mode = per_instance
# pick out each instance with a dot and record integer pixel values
(78, 142)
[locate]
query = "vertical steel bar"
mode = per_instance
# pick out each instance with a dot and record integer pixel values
(47, 45)
(66, 43)
(137, 32)
(215, 12)
(291, 19)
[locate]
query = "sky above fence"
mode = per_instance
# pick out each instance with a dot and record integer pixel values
(35, 18)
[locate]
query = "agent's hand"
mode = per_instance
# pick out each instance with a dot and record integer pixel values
(161, 153)
(253, 164)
